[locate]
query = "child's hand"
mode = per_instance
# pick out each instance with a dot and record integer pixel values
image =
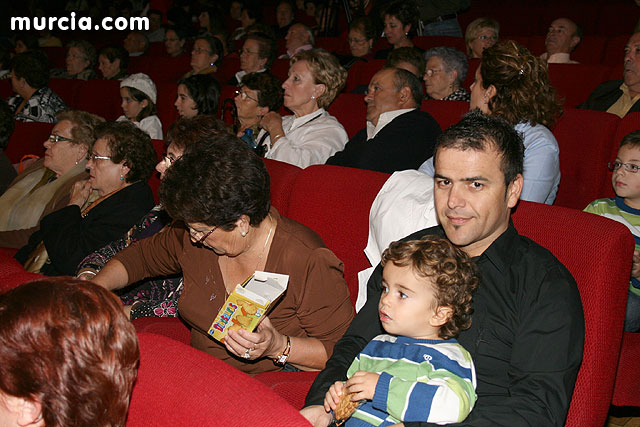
(332, 397)
(635, 267)
(363, 384)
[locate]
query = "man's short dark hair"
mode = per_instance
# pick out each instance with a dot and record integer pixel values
(404, 78)
(113, 52)
(478, 131)
(266, 47)
(33, 67)
(6, 123)
(410, 55)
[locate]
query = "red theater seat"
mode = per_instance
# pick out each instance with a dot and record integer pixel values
(446, 113)
(101, 97)
(574, 82)
(627, 387)
(361, 72)
(351, 112)
(27, 138)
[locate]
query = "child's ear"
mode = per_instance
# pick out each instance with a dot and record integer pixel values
(441, 316)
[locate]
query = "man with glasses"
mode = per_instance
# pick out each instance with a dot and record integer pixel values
(563, 37)
(256, 55)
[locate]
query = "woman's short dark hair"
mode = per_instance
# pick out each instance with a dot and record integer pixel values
(215, 182)
(132, 145)
(366, 26)
(185, 132)
(407, 54)
(204, 89)
(29, 40)
(267, 48)
(87, 49)
(68, 345)
(452, 59)
(114, 52)
(180, 32)
(215, 46)
(139, 96)
(269, 88)
(33, 67)
(405, 11)
(83, 130)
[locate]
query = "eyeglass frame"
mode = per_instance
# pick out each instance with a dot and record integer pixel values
(168, 161)
(204, 237)
(244, 95)
(54, 139)
(357, 41)
(243, 50)
(94, 157)
(629, 167)
(198, 50)
(430, 72)
(484, 37)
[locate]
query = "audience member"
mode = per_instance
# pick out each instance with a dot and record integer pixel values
(156, 30)
(174, 40)
(197, 95)
(417, 370)
(625, 208)
(81, 59)
(25, 42)
(69, 356)
(155, 297)
(100, 209)
(7, 171)
(527, 334)
(311, 135)
(33, 100)
(5, 64)
(397, 135)
(620, 97)
(407, 58)
(113, 62)
(400, 25)
(481, 33)
(235, 9)
(284, 18)
(206, 55)
(513, 84)
(209, 19)
(47, 39)
(362, 36)
(438, 18)
(298, 38)
(139, 95)
(45, 185)
(259, 94)
(444, 74)
(256, 56)
(563, 37)
(136, 43)
(250, 15)
(225, 230)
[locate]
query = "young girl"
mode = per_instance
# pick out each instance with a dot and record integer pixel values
(138, 93)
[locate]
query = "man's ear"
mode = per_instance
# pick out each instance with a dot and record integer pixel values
(574, 41)
(405, 96)
(513, 191)
(441, 316)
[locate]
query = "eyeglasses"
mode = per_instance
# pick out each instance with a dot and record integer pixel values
(629, 167)
(430, 72)
(193, 233)
(168, 161)
(356, 41)
(199, 50)
(244, 95)
(57, 138)
(94, 157)
(241, 51)
(171, 40)
(483, 37)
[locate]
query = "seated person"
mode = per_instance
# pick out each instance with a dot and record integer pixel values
(225, 230)
(481, 33)
(157, 297)
(138, 93)
(34, 101)
(417, 371)
(136, 43)
(100, 209)
(299, 38)
(362, 36)
(563, 37)
(397, 135)
(251, 14)
(256, 55)
(624, 208)
(25, 42)
(69, 355)
(113, 62)
(206, 55)
(444, 74)
(80, 62)
(527, 334)
(45, 185)
(174, 40)
(407, 58)
(513, 84)
(312, 135)
(156, 30)
(198, 94)
(620, 97)
(400, 25)
(7, 171)
(284, 18)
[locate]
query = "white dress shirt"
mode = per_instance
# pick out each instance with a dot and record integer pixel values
(383, 120)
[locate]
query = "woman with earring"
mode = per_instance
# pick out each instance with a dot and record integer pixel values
(362, 35)
(226, 229)
(311, 135)
(400, 25)
(101, 208)
(206, 55)
(45, 185)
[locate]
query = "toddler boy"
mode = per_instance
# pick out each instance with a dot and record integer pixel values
(418, 372)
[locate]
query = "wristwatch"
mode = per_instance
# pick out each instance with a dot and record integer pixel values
(282, 359)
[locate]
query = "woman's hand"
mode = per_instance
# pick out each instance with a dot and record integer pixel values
(272, 123)
(266, 341)
(80, 193)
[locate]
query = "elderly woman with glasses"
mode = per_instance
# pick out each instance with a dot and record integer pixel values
(101, 208)
(45, 185)
(226, 229)
(158, 297)
(206, 55)
(445, 71)
(80, 60)
(481, 34)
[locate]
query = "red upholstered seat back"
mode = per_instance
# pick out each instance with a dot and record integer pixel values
(351, 111)
(27, 138)
(334, 201)
(361, 72)
(446, 113)
(627, 386)
(282, 176)
(12, 273)
(574, 82)
(597, 251)
(101, 97)
(179, 385)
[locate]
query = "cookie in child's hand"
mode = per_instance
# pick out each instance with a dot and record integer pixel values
(345, 407)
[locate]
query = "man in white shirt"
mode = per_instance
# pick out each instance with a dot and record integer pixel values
(563, 37)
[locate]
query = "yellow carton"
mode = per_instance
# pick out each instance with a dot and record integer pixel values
(248, 303)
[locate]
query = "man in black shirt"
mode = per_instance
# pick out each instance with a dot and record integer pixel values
(527, 332)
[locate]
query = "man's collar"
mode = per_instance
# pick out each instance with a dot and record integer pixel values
(500, 252)
(383, 120)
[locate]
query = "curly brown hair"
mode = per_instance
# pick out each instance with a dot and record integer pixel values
(521, 79)
(453, 275)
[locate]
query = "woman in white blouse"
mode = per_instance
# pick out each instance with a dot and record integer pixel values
(311, 135)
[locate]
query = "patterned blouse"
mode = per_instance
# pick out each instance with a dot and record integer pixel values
(43, 106)
(459, 95)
